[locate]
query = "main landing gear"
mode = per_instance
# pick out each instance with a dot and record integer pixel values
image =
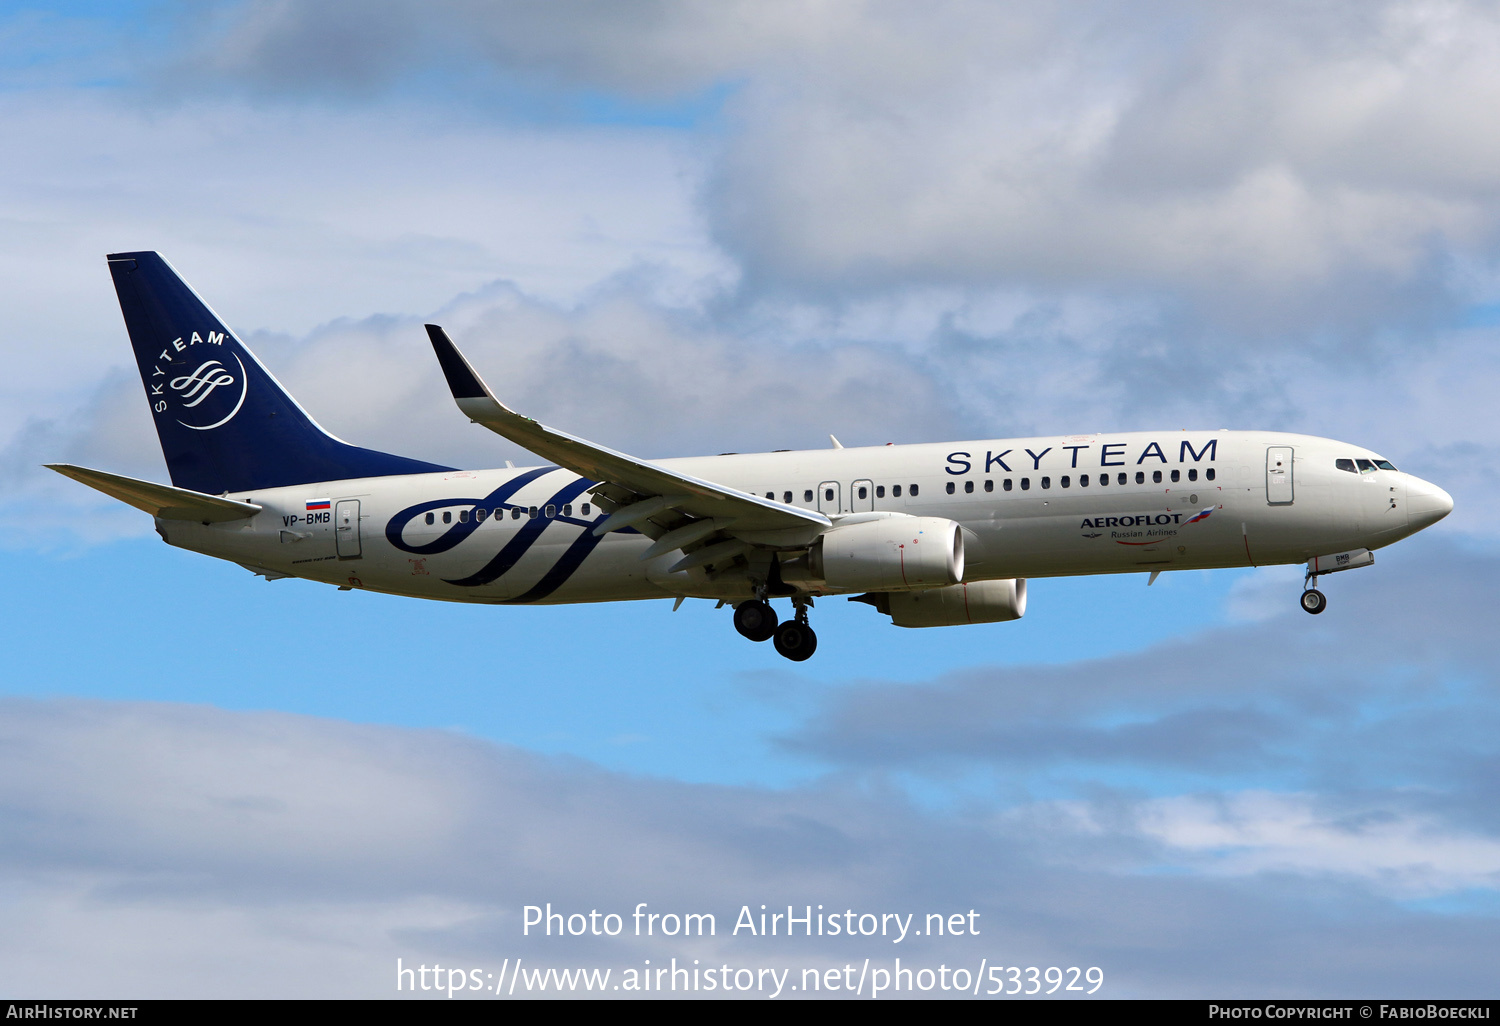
(756, 620)
(794, 639)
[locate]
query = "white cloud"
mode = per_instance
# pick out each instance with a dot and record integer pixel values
(1282, 168)
(160, 851)
(287, 220)
(1404, 854)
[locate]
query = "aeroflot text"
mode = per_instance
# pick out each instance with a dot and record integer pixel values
(804, 922)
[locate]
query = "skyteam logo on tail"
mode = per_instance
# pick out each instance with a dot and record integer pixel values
(205, 393)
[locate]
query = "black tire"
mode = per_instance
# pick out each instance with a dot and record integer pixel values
(755, 620)
(796, 641)
(1314, 601)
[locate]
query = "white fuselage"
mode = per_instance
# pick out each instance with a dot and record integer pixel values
(1023, 505)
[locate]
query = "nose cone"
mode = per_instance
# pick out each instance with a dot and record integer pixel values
(1426, 503)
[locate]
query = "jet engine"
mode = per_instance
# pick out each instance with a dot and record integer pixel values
(975, 602)
(890, 554)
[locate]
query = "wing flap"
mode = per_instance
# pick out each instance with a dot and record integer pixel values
(159, 500)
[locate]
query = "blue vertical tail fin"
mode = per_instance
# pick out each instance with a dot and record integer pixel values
(225, 423)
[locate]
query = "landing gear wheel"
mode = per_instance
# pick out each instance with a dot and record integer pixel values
(1314, 601)
(755, 620)
(795, 640)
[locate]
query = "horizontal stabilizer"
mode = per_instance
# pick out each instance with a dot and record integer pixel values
(159, 500)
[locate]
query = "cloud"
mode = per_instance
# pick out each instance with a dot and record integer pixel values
(1361, 693)
(153, 850)
(630, 373)
(844, 252)
(1278, 170)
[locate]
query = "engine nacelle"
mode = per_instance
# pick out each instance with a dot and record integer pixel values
(977, 602)
(890, 554)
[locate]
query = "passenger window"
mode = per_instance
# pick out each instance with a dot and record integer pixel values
(1007, 484)
(1083, 480)
(1123, 477)
(1176, 476)
(989, 485)
(430, 518)
(1065, 481)
(771, 495)
(864, 492)
(880, 491)
(1103, 480)
(1156, 477)
(827, 494)
(551, 511)
(896, 491)
(950, 487)
(463, 516)
(515, 512)
(447, 516)
(1025, 484)
(1209, 474)
(913, 491)
(968, 487)
(1140, 477)
(531, 512)
(586, 505)
(785, 497)
(1345, 465)
(1193, 474)
(568, 510)
(807, 495)
(1046, 482)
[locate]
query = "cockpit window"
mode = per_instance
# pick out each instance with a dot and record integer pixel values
(1365, 466)
(1345, 465)
(1384, 464)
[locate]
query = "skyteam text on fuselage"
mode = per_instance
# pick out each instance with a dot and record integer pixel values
(929, 535)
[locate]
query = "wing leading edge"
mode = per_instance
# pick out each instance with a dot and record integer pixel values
(641, 494)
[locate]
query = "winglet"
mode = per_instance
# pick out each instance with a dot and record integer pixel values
(652, 483)
(463, 381)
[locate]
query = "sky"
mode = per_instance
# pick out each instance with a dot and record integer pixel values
(679, 229)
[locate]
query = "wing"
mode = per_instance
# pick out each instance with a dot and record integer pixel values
(713, 523)
(160, 500)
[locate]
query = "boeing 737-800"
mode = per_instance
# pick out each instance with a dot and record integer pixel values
(930, 535)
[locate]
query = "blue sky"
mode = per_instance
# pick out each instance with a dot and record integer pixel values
(677, 230)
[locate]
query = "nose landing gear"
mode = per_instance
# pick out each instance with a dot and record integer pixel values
(1313, 600)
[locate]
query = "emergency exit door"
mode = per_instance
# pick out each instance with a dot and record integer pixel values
(1279, 475)
(862, 496)
(828, 497)
(346, 528)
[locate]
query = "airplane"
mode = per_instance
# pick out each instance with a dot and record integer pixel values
(930, 535)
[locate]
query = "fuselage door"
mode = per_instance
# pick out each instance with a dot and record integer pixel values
(1279, 475)
(861, 497)
(828, 497)
(346, 528)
